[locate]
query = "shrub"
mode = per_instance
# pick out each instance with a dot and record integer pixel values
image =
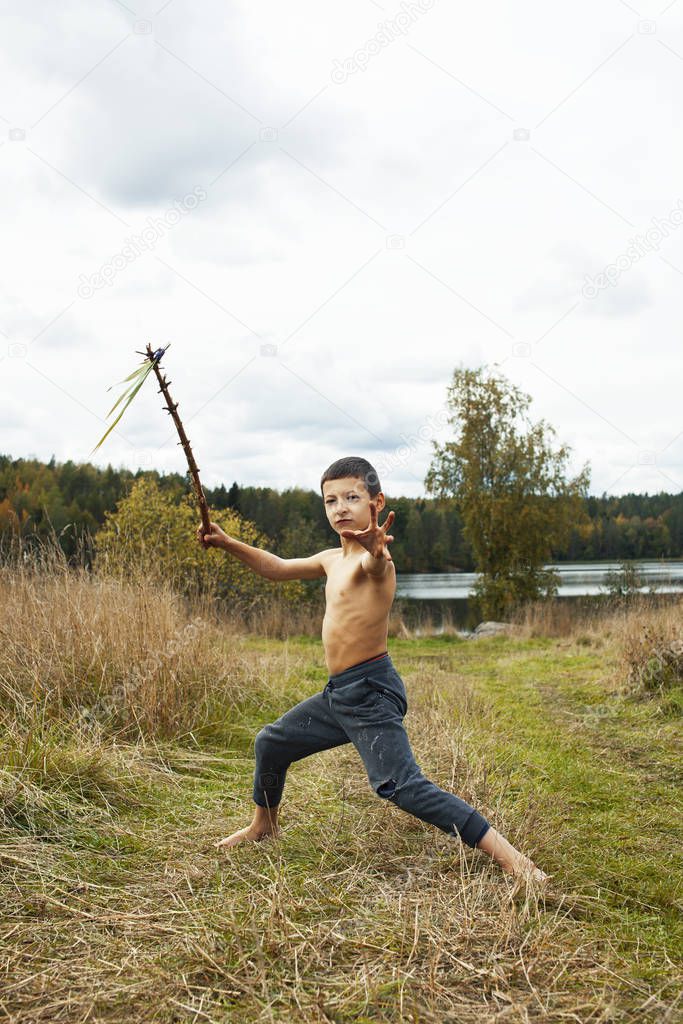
(152, 537)
(653, 655)
(624, 582)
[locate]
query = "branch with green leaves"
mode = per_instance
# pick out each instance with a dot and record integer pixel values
(135, 380)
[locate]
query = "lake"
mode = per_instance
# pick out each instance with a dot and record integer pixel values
(435, 592)
(576, 578)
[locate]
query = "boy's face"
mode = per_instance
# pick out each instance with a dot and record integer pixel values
(347, 503)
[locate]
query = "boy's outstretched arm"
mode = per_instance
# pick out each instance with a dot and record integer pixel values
(264, 563)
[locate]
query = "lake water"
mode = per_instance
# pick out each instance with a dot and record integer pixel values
(576, 578)
(434, 593)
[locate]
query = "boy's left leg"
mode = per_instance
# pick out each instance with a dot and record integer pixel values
(372, 717)
(395, 775)
(371, 712)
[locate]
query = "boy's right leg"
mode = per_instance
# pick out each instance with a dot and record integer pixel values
(305, 729)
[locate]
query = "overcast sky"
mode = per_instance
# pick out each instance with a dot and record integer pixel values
(325, 209)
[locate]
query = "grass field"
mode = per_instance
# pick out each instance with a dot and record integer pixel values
(117, 783)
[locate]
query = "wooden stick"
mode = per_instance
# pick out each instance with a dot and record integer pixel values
(172, 407)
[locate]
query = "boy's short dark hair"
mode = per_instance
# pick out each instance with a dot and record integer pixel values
(353, 465)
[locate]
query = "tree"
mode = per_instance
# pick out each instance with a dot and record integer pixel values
(234, 496)
(509, 486)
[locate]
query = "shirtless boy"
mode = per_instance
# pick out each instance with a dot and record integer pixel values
(364, 701)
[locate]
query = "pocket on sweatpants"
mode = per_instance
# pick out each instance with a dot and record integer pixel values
(390, 685)
(396, 701)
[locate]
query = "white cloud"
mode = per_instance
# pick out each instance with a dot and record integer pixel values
(378, 232)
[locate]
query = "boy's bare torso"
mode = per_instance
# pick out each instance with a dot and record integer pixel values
(357, 606)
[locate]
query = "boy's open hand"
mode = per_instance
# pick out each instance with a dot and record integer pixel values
(374, 538)
(215, 539)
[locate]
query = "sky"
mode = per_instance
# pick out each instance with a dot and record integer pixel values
(325, 210)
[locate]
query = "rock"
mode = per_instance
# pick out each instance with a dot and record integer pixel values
(493, 629)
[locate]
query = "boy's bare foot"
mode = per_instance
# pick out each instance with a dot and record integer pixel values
(510, 859)
(263, 826)
(246, 833)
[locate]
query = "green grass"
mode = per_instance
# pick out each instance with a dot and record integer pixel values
(608, 769)
(117, 907)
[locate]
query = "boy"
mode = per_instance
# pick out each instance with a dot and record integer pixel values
(364, 701)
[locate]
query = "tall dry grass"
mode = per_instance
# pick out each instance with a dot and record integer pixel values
(132, 657)
(591, 616)
(651, 647)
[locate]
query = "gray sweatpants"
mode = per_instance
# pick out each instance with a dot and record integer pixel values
(364, 705)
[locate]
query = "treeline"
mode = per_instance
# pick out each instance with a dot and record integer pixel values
(71, 499)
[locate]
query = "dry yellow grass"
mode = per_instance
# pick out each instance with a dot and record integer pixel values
(604, 618)
(127, 723)
(133, 657)
(652, 649)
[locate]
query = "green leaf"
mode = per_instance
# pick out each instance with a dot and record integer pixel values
(141, 374)
(143, 365)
